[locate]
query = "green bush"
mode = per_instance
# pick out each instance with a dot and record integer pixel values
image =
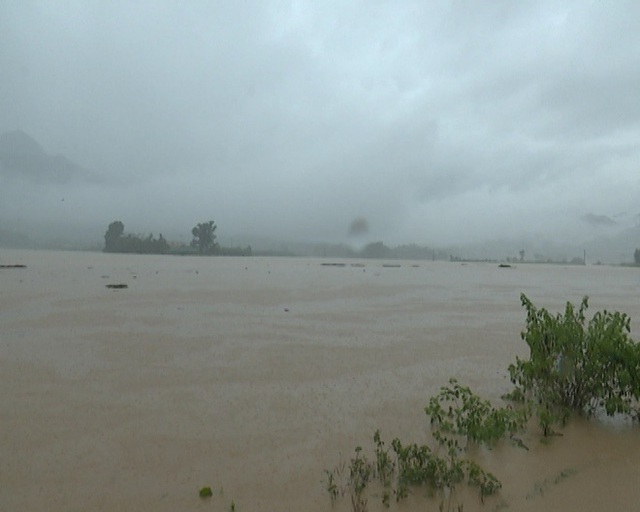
(206, 492)
(457, 410)
(577, 365)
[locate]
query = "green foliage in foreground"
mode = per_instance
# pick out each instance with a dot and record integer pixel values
(574, 366)
(577, 366)
(458, 417)
(404, 466)
(457, 410)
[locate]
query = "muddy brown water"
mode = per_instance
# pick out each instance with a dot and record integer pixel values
(253, 375)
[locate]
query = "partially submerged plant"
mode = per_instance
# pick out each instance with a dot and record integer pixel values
(457, 410)
(419, 465)
(405, 466)
(333, 486)
(353, 479)
(205, 492)
(361, 472)
(577, 366)
(385, 466)
(574, 366)
(485, 481)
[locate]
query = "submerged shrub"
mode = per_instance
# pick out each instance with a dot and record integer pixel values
(458, 410)
(577, 365)
(574, 365)
(205, 492)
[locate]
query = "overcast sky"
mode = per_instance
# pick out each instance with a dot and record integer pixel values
(437, 121)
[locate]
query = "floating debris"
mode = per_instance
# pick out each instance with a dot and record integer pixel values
(117, 286)
(205, 492)
(333, 264)
(13, 266)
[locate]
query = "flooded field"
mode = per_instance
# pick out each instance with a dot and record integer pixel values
(254, 375)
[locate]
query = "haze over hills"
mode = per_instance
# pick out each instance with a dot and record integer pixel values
(477, 128)
(50, 201)
(41, 195)
(21, 156)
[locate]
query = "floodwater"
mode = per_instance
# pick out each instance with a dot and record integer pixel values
(254, 375)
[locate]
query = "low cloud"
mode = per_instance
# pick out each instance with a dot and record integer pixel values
(598, 220)
(437, 122)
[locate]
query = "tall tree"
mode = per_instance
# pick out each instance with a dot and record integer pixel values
(204, 237)
(112, 236)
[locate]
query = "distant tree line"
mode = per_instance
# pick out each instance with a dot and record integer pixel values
(116, 241)
(203, 242)
(377, 250)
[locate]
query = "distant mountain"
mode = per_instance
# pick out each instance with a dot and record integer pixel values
(22, 156)
(618, 247)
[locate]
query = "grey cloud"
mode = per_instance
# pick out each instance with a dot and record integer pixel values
(598, 220)
(297, 118)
